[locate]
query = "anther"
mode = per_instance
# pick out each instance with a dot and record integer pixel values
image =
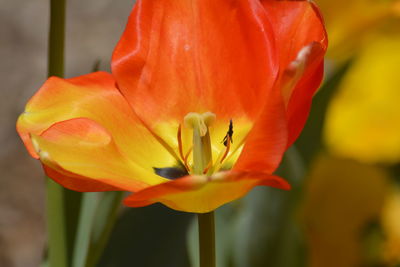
(229, 134)
(208, 118)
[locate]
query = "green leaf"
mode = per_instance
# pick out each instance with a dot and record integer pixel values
(148, 236)
(105, 217)
(82, 240)
(45, 263)
(265, 231)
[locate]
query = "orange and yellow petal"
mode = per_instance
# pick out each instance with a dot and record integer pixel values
(76, 182)
(196, 56)
(93, 97)
(202, 194)
(85, 148)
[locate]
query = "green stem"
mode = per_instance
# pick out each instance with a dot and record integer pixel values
(56, 225)
(56, 38)
(56, 221)
(201, 156)
(207, 239)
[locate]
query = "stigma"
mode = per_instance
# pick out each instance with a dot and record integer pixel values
(199, 121)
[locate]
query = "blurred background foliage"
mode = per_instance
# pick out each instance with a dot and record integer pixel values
(343, 210)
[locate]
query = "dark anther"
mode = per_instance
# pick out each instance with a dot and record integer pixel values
(171, 173)
(228, 133)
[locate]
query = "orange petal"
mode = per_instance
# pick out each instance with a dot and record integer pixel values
(267, 140)
(95, 97)
(302, 78)
(76, 182)
(301, 44)
(196, 56)
(296, 24)
(201, 193)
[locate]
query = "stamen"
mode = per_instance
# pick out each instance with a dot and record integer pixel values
(185, 159)
(188, 153)
(180, 141)
(228, 146)
(208, 167)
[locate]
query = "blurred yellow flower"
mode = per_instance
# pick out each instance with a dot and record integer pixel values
(349, 22)
(363, 119)
(342, 198)
(390, 224)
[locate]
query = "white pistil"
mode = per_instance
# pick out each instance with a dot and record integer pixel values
(202, 155)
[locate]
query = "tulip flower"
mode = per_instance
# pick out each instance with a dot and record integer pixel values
(203, 100)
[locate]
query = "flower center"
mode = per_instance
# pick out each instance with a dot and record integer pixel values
(201, 148)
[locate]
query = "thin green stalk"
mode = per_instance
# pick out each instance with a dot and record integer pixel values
(207, 239)
(56, 225)
(56, 38)
(56, 221)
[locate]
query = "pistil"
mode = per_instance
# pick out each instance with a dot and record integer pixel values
(202, 154)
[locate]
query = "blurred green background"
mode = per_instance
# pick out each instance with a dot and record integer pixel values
(344, 208)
